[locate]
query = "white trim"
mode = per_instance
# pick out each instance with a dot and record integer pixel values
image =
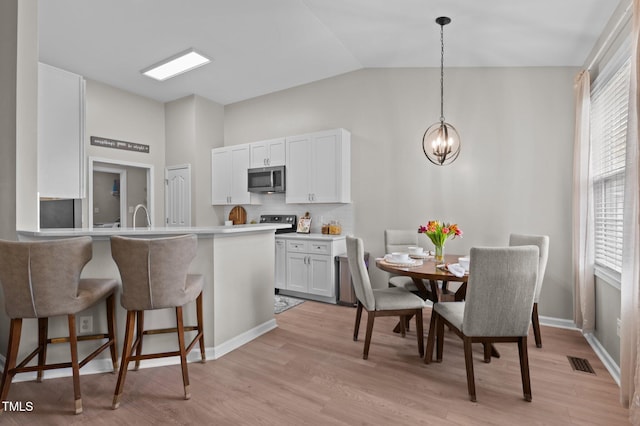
(608, 276)
(604, 356)
(243, 338)
(558, 323)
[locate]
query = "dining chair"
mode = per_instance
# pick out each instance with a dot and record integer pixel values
(154, 276)
(393, 301)
(502, 284)
(42, 280)
(400, 240)
(542, 241)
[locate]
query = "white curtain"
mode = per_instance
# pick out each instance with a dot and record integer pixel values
(630, 281)
(583, 252)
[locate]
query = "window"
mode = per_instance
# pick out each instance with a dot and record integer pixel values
(609, 112)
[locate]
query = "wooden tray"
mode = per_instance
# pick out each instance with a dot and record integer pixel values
(238, 215)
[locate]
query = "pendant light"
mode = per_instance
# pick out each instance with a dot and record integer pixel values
(441, 142)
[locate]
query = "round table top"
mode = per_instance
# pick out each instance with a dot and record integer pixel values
(426, 271)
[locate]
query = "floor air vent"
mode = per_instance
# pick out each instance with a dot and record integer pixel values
(580, 364)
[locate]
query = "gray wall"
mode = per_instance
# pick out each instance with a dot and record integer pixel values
(513, 174)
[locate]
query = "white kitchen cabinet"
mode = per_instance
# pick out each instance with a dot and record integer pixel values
(268, 153)
(61, 109)
(229, 175)
(281, 264)
(310, 269)
(319, 167)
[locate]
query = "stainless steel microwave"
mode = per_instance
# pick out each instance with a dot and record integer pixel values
(266, 179)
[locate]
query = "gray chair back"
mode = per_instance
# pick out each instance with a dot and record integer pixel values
(359, 273)
(500, 292)
(399, 239)
(40, 279)
(153, 271)
(542, 241)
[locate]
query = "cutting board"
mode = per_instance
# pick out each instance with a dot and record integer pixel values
(238, 215)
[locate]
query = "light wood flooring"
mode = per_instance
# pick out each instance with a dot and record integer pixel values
(310, 371)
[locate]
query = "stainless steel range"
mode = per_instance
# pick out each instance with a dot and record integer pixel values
(287, 219)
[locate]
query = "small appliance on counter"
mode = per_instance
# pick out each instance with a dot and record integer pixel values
(287, 219)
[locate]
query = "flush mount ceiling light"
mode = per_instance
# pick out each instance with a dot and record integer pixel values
(441, 142)
(177, 64)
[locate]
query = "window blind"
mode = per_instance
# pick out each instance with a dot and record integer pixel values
(609, 113)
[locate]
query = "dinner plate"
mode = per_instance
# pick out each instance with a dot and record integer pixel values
(410, 262)
(424, 255)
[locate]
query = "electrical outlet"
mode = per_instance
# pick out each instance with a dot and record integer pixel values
(618, 327)
(86, 325)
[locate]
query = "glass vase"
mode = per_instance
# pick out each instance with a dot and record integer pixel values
(439, 257)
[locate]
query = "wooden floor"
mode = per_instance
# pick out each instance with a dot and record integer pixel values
(310, 371)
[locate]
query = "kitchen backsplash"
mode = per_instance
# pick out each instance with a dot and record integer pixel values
(275, 204)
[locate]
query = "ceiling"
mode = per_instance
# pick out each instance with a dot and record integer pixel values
(263, 46)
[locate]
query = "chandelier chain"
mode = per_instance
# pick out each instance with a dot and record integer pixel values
(442, 73)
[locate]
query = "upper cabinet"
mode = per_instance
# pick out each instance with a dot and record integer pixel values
(268, 153)
(229, 175)
(61, 107)
(319, 167)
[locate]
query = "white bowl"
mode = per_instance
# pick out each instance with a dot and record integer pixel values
(464, 262)
(400, 257)
(415, 250)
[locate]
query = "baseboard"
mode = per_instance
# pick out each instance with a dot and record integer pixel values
(604, 356)
(98, 366)
(558, 323)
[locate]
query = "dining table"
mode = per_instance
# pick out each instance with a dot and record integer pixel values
(432, 281)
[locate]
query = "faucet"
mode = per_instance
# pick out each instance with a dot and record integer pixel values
(135, 211)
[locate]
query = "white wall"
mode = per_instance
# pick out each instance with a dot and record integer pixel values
(115, 114)
(513, 173)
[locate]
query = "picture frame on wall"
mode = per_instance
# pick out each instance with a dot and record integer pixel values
(304, 225)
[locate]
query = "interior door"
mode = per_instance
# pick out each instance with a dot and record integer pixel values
(178, 195)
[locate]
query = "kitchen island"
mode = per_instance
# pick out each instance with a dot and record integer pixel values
(237, 263)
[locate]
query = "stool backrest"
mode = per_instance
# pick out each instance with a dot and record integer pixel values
(40, 278)
(153, 271)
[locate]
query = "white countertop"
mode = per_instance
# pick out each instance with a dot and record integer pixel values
(148, 232)
(296, 236)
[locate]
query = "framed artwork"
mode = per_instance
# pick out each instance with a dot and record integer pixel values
(304, 225)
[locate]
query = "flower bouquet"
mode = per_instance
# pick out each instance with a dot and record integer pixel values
(438, 232)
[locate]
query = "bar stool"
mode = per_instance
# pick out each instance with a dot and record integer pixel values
(154, 276)
(41, 280)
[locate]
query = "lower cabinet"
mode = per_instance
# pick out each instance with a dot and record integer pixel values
(310, 269)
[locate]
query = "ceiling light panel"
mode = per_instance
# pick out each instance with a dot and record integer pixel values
(175, 65)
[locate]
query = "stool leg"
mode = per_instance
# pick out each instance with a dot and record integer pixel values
(183, 353)
(43, 328)
(73, 346)
(111, 328)
(126, 355)
(12, 355)
(200, 326)
(139, 335)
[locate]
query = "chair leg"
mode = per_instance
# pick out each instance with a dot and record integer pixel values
(15, 329)
(524, 368)
(183, 352)
(487, 351)
(371, 316)
(439, 339)
(139, 336)
(75, 368)
(536, 325)
(403, 325)
(420, 332)
(43, 329)
(356, 327)
(428, 356)
(111, 329)
(200, 316)
(468, 360)
(126, 355)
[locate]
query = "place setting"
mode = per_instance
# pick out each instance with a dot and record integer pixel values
(401, 259)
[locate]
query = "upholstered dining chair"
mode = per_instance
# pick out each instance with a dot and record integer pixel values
(399, 240)
(154, 276)
(393, 301)
(542, 241)
(502, 284)
(42, 280)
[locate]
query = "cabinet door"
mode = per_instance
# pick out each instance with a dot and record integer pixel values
(276, 150)
(220, 176)
(60, 133)
(268, 153)
(297, 272)
(281, 264)
(239, 181)
(259, 154)
(298, 161)
(321, 280)
(325, 171)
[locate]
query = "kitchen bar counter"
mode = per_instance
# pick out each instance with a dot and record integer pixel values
(237, 263)
(296, 236)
